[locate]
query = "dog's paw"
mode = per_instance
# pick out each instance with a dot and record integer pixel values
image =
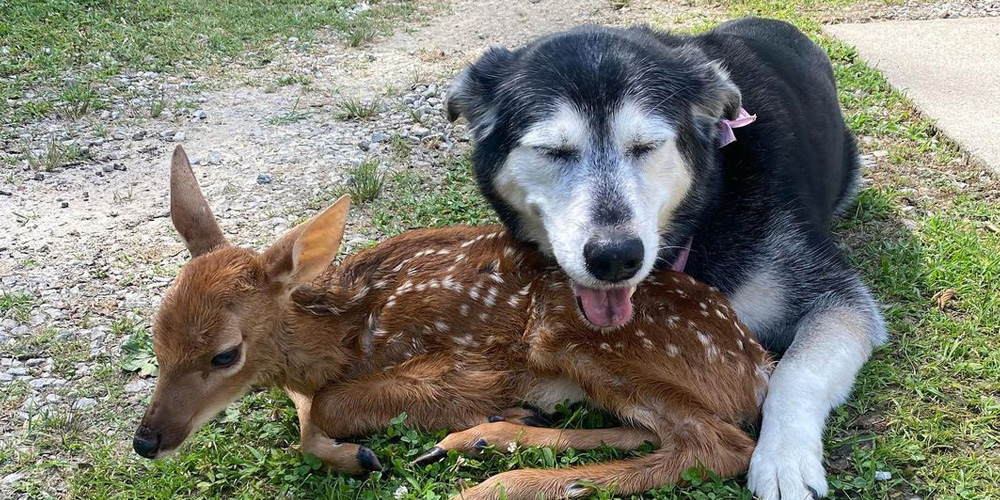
(786, 467)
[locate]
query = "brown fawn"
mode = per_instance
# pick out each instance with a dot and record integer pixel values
(457, 327)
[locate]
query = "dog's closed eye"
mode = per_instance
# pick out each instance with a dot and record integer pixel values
(640, 149)
(561, 153)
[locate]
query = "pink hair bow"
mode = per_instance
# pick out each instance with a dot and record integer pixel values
(726, 127)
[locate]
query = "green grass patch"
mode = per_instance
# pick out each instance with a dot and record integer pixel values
(366, 181)
(353, 108)
(16, 305)
(88, 42)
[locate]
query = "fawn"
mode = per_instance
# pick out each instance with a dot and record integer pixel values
(457, 327)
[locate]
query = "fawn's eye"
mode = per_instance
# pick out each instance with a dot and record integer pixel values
(226, 358)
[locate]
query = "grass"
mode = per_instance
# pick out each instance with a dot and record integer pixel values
(55, 155)
(89, 42)
(354, 108)
(16, 305)
(366, 181)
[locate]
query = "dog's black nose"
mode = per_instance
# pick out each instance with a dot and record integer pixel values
(613, 260)
(146, 443)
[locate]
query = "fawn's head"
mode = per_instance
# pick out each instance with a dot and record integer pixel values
(211, 332)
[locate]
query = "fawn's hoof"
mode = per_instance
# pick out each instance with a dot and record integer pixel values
(433, 455)
(367, 460)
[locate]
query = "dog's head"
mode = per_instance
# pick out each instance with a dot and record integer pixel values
(599, 145)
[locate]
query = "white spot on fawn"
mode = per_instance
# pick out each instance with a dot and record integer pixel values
(463, 309)
(491, 297)
(704, 339)
(441, 325)
(673, 350)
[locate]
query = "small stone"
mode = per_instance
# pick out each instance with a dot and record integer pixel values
(180, 137)
(213, 158)
(167, 134)
(5, 378)
(139, 135)
(265, 178)
(419, 131)
(52, 398)
(119, 166)
(84, 404)
(108, 168)
(11, 479)
(34, 362)
(881, 475)
(118, 136)
(18, 371)
(135, 385)
(378, 137)
(39, 176)
(5, 193)
(200, 114)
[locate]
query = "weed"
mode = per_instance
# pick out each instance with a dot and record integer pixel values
(79, 98)
(16, 305)
(157, 106)
(366, 181)
(55, 155)
(137, 352)
(353, 108)
(360, 32)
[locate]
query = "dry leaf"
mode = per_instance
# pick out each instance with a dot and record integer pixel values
(992, 227)
(942, 297)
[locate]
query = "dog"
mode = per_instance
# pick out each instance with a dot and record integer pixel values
(614, 151)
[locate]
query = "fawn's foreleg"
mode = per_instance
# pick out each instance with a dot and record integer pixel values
(336, 455)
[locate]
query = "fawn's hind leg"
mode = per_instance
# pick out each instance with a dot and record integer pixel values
(505, 435)
(717, 446)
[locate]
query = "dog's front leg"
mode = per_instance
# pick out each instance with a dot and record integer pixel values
(832, 342)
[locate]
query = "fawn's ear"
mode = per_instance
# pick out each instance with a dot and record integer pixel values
(304, 253)
(189, 211)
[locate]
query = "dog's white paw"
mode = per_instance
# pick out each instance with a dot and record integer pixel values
(786, 466)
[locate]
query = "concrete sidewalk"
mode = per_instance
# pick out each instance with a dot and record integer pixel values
(950, 68)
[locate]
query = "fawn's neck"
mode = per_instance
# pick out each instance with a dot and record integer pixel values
(316, 335)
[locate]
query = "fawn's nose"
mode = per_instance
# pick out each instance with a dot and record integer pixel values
(613, 259)
(146, 443)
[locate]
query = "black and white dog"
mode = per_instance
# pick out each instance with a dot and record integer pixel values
(602, 145)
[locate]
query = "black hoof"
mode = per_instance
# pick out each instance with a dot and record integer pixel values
(433, 455)
(815, 494)
(496, 418)
(368, 461)
(479, 444)
(536, 421)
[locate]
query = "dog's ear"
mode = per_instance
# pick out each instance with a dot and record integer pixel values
(473, 94)
(721, 98)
